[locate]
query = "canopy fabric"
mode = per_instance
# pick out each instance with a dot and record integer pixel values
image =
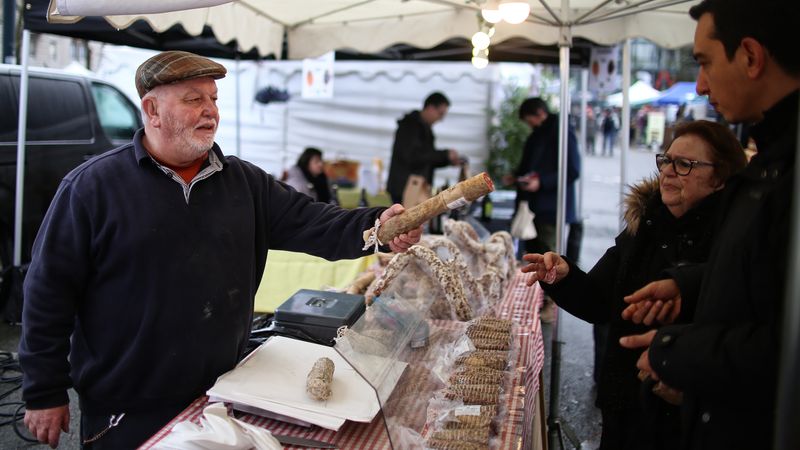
(640, 93)
(314, 27)
(678, 94)
(139, 34)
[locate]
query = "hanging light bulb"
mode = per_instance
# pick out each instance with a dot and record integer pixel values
(480, 40)
(479, 62)
(480, 58)
(515, 12)
(490, 32)
(491, 13)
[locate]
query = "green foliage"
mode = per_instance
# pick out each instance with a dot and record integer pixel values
(507, 134)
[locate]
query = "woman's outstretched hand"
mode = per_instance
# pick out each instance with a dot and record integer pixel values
(549, 268)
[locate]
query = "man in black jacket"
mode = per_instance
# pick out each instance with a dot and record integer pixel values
(537, 173)
(141, 287)
(414, 152)
(726, 361)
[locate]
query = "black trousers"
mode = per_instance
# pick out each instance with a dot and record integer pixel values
(131, 431)
(656, 428)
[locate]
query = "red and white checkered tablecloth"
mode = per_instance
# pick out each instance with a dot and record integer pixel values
(520, 303)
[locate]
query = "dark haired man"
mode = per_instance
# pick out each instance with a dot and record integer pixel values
(726, 361)
(537, 178)
(537, 172)
(414, 152)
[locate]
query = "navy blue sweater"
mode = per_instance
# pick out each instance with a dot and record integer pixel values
(156, 293)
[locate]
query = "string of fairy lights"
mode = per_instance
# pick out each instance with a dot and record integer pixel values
(494, 12)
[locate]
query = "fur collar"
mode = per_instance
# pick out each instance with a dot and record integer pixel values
(636, 202)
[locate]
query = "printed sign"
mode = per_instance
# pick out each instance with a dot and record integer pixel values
(603, 73)
(318, 77)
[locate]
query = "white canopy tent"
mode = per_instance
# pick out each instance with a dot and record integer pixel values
(638, 94)
(314, 27)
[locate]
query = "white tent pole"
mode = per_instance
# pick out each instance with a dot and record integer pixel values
(583, 141)
(21, 127)
(238, 112)
(562, 150)
(626, 124)
(557, 428)
(788, 395)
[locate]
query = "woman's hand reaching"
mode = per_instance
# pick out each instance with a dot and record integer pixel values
(549, 268)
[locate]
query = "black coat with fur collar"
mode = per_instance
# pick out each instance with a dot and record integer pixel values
(652, 241)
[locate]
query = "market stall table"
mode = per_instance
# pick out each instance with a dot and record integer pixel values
(521, 429)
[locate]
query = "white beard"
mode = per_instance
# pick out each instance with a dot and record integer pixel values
(186, 143)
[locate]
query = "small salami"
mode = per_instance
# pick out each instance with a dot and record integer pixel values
(318, 382)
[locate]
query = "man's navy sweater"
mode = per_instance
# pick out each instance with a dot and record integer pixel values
(151, 295)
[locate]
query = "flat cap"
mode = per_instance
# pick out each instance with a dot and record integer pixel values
(173, 66)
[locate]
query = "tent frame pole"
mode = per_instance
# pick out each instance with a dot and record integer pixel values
(557, 428)
(787, 434)
(625, 127)
(21, 127)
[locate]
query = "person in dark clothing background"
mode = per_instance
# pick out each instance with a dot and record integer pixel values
(536, 175)
(669, 222)
(726, 360)
(414, 151)
(308, 176)
(536, 178)
(141, 287)
(610, 128)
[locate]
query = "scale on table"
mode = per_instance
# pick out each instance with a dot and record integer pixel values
(315, 316)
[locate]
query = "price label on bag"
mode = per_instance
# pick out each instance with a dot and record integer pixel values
(468, 410)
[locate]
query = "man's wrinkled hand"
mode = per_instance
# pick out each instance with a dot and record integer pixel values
(403, 242)
(47, 424)
(659, 301)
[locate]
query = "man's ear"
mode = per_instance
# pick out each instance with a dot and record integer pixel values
(754, 57)
(150, 109)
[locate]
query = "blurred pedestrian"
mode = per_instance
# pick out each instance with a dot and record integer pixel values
(308, 176)
(414, 151)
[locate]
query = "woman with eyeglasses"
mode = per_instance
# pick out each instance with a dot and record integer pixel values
(669, 222)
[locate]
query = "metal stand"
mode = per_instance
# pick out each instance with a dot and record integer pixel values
(557, 428)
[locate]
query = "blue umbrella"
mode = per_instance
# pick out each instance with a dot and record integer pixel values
(678, 94)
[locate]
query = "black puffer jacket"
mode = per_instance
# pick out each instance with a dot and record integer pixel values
(652, 241)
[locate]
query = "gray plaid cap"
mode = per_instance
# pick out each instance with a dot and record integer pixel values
(173, 66)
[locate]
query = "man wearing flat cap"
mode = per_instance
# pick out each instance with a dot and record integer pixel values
(141, 286)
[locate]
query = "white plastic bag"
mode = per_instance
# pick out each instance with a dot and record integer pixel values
(522, 225)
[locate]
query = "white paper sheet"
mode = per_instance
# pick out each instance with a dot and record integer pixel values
(273, 378)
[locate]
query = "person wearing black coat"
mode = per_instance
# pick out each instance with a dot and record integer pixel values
(726, 360)
(670, 222)
(414, 151)
(536, 175)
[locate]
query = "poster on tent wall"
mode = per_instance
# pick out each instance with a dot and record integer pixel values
(603, 73)
(318, 77)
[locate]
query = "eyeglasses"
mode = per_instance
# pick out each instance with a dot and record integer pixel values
(681, 166)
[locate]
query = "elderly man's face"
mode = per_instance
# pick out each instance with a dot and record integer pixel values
(189, 115)
(724, 81)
